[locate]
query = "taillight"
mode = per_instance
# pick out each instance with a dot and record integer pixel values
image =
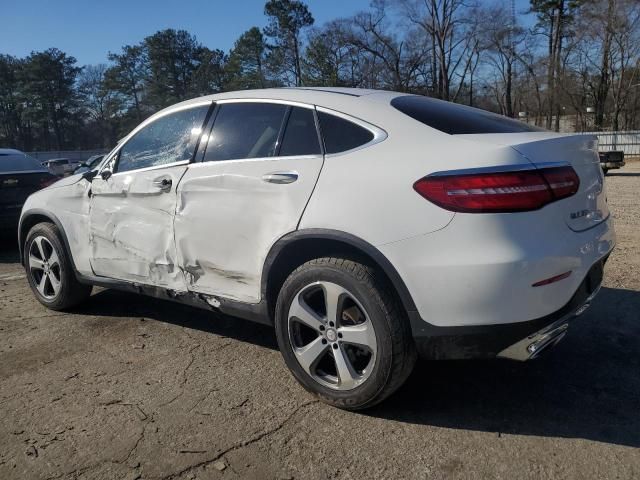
(496, 192)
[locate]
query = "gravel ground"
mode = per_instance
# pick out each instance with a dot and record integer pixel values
(132, 387)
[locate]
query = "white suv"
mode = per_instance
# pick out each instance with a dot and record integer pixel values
(366, 226)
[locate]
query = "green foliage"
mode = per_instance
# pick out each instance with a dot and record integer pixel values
(246, 67)
(286, 19)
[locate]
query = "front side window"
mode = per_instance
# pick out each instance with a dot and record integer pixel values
(245, 130)
(169, 139)
(341, 135)
(300, 136)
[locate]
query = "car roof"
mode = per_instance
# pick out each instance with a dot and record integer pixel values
(358, 102)
(10, 151)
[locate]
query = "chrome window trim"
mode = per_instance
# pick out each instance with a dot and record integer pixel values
(500, 169)
(108, 157)
(378, 134)
(263, 159)
(265, 100)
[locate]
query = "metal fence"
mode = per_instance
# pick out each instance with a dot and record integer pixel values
(628, 142)
(74, 155)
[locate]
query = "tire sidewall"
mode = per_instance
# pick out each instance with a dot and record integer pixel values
(373, 385)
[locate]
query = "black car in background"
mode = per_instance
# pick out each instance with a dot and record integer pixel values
(611, 160)
(20, 176)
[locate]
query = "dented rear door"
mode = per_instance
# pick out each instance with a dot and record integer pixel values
(250, 188)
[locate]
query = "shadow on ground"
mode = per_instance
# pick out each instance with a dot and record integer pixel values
(587, 387)
(114, 303)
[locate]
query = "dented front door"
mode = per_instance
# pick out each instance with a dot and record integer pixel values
(133, 200)
(131, 227)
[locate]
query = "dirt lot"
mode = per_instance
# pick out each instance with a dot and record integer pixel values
(131, 387)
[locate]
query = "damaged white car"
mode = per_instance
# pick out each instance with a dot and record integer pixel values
(365, 226)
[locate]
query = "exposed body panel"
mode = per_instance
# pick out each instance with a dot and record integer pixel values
(228, 217)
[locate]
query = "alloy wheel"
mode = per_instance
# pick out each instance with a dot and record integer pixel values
(44, 267)
(332, 336)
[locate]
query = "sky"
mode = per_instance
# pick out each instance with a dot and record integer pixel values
(89, 29)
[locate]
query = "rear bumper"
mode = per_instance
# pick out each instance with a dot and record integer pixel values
(481, 269)
(516, 341)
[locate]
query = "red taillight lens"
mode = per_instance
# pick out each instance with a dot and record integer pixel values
(499, 192)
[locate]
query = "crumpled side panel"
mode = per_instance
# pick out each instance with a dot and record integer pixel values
(131, 229)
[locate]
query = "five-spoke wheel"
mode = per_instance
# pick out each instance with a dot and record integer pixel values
(342, 333)
(49, 269)
(332, 336)
(44, 267)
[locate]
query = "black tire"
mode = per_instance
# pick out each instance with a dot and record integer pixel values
(605, 170)
(395, 349)
(70, 292)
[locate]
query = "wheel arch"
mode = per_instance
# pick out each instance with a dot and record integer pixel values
(34, 216)
(297, 247)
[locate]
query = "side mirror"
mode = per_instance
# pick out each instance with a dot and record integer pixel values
(106, 174)
(89, 175)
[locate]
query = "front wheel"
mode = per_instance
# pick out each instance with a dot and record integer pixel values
(49, 270)
(342, 334)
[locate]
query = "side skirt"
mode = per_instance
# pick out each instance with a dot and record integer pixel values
(255, 312)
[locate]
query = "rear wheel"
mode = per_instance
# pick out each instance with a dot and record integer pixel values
(342, 334)
(49, 270)
(605, 170)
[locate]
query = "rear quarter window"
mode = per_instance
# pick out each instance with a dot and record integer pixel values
(456, 119)
(341, 135)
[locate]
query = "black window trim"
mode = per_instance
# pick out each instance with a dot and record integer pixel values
(199, 156)
(114, 155)
(379, 134)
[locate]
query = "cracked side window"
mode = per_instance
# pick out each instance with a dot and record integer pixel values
(169, 139)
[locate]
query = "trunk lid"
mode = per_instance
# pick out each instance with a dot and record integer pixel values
(588, 207)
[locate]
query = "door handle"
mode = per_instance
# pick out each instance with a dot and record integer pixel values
(280, 177)
(163, 184)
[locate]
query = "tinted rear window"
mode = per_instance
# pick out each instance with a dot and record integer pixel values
(341, 135)
(456, 119)
(16, 162)
(300, 136)
(245, 130)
